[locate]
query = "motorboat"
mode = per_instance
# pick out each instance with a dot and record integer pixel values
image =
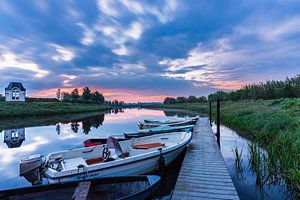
(129, 157)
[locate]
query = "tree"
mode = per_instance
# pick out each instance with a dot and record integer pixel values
(169, 100)
(66, 95)
(181, 100)
(192, 99)
(87, 93)
(96, 96)
(75, 94)
(1, 97)
(58, 94)
(202, 99)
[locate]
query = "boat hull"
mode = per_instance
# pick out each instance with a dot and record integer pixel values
(133, 167)
(153, 125)
(143, 133)
(132, 187)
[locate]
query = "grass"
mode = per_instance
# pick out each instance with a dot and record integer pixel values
(238, 157)
(274, 124)
(30, 109)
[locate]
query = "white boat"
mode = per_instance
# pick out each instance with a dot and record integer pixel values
(167, 129)
(170, 120)
(159, 130)
(144, 125)
(130, 157)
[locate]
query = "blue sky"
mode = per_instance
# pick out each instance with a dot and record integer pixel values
(146, 50)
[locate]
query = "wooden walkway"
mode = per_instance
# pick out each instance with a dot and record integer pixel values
(203, 174)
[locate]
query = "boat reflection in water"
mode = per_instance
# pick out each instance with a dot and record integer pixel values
(14, 137)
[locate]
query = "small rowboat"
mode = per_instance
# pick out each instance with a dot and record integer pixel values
(170, 120)
(132, 187)
(159, 130)
(129, 157)
(144, 125)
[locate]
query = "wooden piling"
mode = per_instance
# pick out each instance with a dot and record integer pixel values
(210, 120)
(218, 122)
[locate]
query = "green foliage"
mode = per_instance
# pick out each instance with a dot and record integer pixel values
(87, 93)
(181, 100)
(289, 88)
(169, 100)
(87, 96)
(274, 124)
(238, 157)
(16, 109)
(190, 99)
(96, 96)
(75, 94)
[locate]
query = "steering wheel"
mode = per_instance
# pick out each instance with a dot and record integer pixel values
(105, 153)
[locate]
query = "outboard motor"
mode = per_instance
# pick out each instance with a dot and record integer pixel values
(31, 168)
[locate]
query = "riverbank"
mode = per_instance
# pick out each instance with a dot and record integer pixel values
(29, 109)
(274, 124)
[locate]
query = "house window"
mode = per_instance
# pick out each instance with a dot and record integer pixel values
(15, 94)
(14, 136)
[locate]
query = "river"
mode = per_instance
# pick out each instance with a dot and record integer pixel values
(23, 137)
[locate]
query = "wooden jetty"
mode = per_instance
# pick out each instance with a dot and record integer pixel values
(203, 174)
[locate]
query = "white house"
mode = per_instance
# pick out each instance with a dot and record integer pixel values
(15, 92)
(14, 137)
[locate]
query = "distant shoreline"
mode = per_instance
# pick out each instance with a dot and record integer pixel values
(31, 109)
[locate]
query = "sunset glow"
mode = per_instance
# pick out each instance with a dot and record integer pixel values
(146, 50)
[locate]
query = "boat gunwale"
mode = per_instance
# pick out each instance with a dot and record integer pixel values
(135, 159)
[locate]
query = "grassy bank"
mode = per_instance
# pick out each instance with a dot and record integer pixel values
(275, 124)
(27, 109)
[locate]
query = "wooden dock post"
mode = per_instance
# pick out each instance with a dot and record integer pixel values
(210, 113)
(218, 122)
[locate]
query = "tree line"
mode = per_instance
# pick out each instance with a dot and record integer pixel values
(87, 95)
(190, 99)
(288, 88)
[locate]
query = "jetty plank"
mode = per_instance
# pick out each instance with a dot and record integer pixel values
(82, 190)
(204, 174)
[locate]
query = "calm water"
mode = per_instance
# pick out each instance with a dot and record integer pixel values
(45, 135)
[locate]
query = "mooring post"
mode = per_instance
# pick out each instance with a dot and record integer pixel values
(218, 121)
(210, 113)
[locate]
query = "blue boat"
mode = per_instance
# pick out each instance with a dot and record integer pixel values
(159, 130)
(124, 187)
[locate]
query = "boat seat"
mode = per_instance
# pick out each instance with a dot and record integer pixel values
(148, 146)
(100, 159)
(94, 161)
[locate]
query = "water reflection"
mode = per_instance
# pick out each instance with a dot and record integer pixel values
(47, 134)
(255, 173)
(55, 133)
(14, 137)
(87, 124)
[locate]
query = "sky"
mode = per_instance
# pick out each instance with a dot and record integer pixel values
(142, 50)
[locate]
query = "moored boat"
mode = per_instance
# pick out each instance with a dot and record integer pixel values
(144, 125)
(170, 120)
(159, 130)
(129, 157)
(131, 187)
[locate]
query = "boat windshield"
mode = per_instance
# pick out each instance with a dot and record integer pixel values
(113, 143)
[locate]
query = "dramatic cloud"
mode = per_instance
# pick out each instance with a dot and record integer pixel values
(139, 50)
(10, 60)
